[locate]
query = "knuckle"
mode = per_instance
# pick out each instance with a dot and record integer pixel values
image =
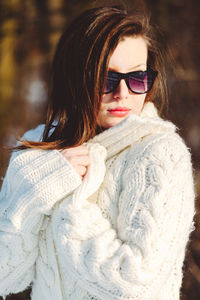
(84, 148)
(71, 160)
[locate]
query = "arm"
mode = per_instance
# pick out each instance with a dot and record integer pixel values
(156, 209)
(34, 182)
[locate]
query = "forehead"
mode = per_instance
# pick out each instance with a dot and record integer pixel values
(129, 54)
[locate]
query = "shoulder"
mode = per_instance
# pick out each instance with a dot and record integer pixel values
(162, 160)
(170, 145)
(167, 150)
(163, 144)
(34, 134)
(164, 137)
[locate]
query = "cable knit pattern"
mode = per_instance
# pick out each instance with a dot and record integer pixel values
(120, 234)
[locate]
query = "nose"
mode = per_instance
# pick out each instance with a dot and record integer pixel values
(122, 91)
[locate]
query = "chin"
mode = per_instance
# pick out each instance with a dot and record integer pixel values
(112, 123)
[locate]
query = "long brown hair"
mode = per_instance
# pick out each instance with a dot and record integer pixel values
(79, 68)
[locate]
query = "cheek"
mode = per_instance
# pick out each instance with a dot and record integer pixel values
(105, 104)
(101, 114)
(106, 99)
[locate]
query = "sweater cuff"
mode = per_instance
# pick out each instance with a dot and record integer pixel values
(59, 177)
(41, 178)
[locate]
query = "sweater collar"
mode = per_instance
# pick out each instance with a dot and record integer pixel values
(133, 129)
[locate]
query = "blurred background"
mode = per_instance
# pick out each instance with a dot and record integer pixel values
(29, 32)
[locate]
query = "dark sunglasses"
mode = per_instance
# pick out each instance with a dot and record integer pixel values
(138, 82)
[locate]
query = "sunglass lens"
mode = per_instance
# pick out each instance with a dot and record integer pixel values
(112, 81)
(109, 86)
(141, 81)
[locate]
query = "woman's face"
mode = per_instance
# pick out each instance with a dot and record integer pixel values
(130, 55)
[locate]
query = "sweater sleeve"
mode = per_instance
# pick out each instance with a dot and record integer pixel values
(34, 182)
(156, 209)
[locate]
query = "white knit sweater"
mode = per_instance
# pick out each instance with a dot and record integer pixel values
(120, 234)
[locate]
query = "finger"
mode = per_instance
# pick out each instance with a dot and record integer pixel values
(83, 160)
(79, 150)
(78, 160)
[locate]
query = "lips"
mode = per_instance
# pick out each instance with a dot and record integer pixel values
(119, 111)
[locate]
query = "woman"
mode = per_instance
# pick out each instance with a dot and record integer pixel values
(99, 202)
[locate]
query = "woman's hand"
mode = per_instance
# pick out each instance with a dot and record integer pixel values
(78, 157)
